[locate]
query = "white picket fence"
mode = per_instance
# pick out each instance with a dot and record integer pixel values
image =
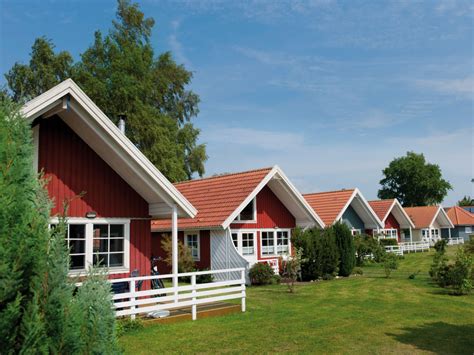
(456, 241)
(191, 295)
(407, 247)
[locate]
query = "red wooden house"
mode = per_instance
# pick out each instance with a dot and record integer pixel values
(397, 223)
(243, 218)
(112, 189)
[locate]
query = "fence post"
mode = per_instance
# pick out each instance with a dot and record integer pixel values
(194, 306)
(132, 299)
(243, 289)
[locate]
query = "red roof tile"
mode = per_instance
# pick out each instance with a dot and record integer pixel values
(328, 205)
(422, 216)
(215, 198)
(381, 207)
(460, 217)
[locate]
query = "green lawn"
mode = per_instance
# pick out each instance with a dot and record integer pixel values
(363, 314)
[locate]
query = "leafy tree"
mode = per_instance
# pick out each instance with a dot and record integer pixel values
(466, 201)
(45, 70)
(121, 74)
(346, 248)
(185, 258)
(413, 181)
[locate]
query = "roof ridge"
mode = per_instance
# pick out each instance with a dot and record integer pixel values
(326, 192)
(222, 176)
(381, 200)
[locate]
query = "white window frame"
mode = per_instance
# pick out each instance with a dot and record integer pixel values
(355, 231)
(254, 220)
(89, 239)
(186, 238)
(388, 233)
(239, 247)
(275, 242)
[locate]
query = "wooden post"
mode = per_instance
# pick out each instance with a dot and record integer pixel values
(243, 289)
(132, 290)
(194, 306)
(174, 249)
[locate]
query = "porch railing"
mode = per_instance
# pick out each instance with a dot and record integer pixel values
(190, 295)
(456, 241)
(402, 248)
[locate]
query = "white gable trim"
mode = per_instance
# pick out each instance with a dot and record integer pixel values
(293, 192)
(121, 145)
(402, 210)
(443, 212)
(365, 205)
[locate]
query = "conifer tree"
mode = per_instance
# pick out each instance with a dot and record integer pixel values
(345, 245)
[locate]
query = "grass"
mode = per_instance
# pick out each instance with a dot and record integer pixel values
(364, 314)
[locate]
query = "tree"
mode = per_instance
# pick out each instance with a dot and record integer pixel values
(413, 181)
(45, 70)
(466, 201)
(121, 74)
(346, 248)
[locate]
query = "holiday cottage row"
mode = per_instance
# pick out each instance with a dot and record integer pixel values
(120, 206)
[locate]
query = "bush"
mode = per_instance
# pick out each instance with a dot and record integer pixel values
(185, 258)
(261, 274)
(390, 263)
(126, 325)
(276, 279)
(357, 271)
(439, 262)
(291, 270)
(320, 256)
(440, 245)
(368, 247)
(204, 279)
(457, 276)
(346, 249)
(388, 242)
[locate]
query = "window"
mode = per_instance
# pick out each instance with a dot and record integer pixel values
(268, 243)
(76, 242)
(235, 240)
(192, 241)
(108, 245)
(355, 231)
(103, 242)
(248, 214)
(388, 233)
(425, 233)
(435, 233)
(248, 244)
(468, 229)
(283, 242)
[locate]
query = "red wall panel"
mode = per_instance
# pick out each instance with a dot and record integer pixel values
(391, 222)
(72, 168)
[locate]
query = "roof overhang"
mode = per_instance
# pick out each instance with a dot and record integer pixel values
(400, 215)
(360, 205)
(291, 198)
(442, 219)
(83, 116)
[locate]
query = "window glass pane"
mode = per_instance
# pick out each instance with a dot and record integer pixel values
(116, 231)
(101, 245)
(116, 259)
(77, 246)
(77, 231)
(247, 244)
(77, 262)
(100, 259)
(268, 243)
(234, 239)
(116, 244)
(192, 241)
(101, 230)
(282, 242)
(247, 213)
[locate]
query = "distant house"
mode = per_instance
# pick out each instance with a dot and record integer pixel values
(348, 206)
(463, 223)
(111, 188)
(430, 221)
(243, 218)
(468, 208)
(397, 224)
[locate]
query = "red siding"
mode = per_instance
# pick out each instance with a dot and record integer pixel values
(391, 222)
(72, 168)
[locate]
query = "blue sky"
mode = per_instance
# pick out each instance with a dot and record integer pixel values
(329, 90)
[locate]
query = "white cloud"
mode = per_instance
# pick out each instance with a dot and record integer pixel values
(460, 87)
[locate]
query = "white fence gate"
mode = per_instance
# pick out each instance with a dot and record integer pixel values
(407, 247)
(183, 296)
